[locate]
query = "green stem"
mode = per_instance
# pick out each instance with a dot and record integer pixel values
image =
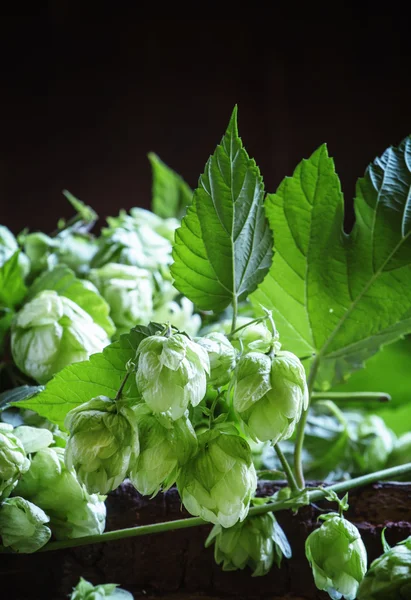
(314, 496)
(299, 442)
(352, 396)
(258, 320)
(212, 409)
(287, 469)
(235, 311)
(123, 383)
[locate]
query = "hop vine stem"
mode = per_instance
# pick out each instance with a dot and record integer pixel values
(299, 442)
(235, 312)
(287, 469)
(123, 383)
(314, 496)
(351, 396)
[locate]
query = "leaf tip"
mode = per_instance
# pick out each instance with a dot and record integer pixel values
(232, 125)
(153, 158)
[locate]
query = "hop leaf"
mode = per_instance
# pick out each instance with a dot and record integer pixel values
(218, 483)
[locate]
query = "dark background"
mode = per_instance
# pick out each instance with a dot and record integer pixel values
(84, 97)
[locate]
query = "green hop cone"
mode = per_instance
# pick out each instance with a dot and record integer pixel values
(165, 446)
(141, 247)
(85, 590)
(337, 556)
(389, 576)
(51, 332)
(8, 247)
(13, 460)
(129, 292)
(270, 394)
(103, 437)
(54, 488)
(222, 357)
(171, 373)
(371, 442)
(179, 314)
(164, 227)
(218, 483)
(401, 453)
(76, 250)
(256, 542)
(41, 250)
(253, 337)
(22, 525)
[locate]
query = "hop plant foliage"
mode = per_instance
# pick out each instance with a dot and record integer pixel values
(160, 407)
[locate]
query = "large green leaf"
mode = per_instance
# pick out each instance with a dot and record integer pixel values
(223, 248)
(171, 194)
(85, 294)
(102, 374)
(12, 287)
(17, 394)
(336, 296)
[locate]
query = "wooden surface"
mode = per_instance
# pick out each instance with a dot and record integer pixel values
(175, 565)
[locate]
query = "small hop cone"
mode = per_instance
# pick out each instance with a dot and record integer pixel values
(129, 292)
(222, 357)
(103, 438)
(172, 372)
(270, 394)
(13, 460)
(56, 490)
(256, 542)
(218, 482)
(165, 446)
(23, 525)
(337, 556)
(51, 332)
(85, 590)
(389, 576)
